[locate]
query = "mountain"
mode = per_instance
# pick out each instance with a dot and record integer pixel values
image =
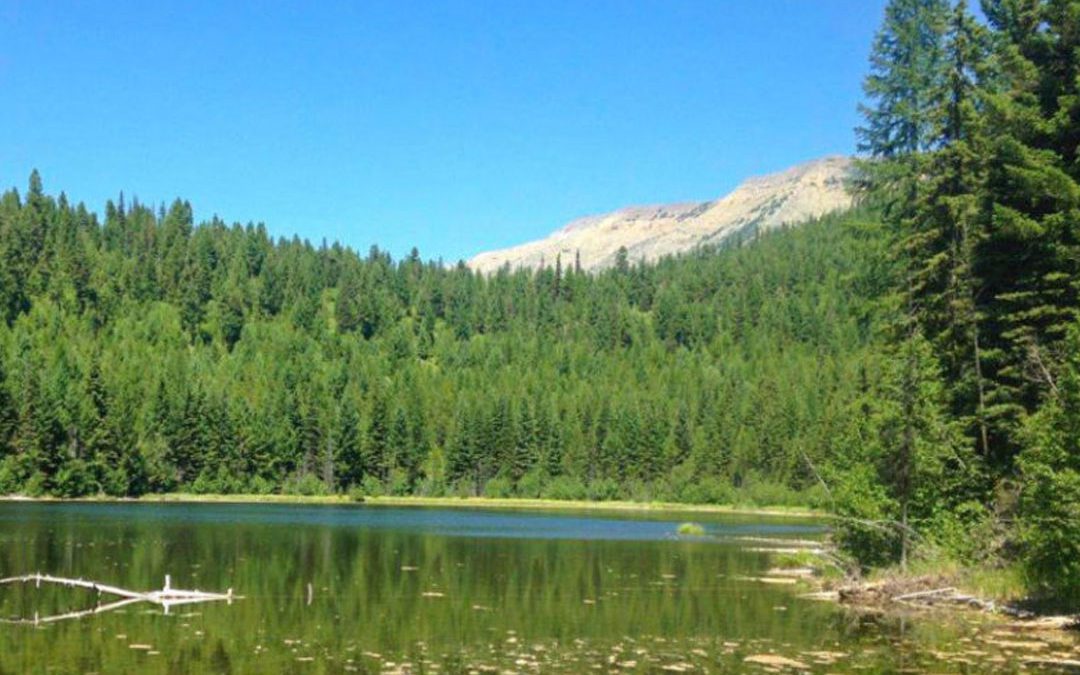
(762, 203)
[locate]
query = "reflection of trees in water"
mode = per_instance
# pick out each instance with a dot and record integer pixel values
(368, 593)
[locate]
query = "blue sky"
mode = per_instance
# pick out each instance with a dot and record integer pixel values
(452, 126)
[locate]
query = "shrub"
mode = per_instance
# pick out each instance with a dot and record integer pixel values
(1050, 531)
(307, 485)
(531, 485)
(114, 481)
(637, 491)
(75, 480)
(964, 533)
(398, 483)
(372, 486)
(605, 489)
(708, 490)
(767, 493)
(35, 485)
(565, 488)
(691, 530)
(1050, 500)
(498, 488)
(12, 475)
(862, 506)
(259, 485)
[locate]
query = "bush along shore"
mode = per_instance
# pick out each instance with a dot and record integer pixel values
(821, 571)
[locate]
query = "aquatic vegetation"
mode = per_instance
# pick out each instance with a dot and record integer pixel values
(691, 530)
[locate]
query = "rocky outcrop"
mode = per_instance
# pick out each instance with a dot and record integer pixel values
(647, 233)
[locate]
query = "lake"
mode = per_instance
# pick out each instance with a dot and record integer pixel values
(375, 589)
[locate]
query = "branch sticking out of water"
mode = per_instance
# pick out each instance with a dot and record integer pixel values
(167, 597)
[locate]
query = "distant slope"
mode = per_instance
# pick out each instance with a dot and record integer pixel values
(798, 194)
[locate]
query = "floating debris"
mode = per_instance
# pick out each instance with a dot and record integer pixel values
(776, 661)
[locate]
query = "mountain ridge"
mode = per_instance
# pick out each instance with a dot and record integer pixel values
(649, 232)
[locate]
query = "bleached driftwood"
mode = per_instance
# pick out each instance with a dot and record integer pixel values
(167, 597)
(923, 594)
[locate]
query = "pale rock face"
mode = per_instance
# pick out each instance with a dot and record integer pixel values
(801, 193)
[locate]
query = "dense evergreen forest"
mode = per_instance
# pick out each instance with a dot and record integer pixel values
(145, 353)
(913, 365)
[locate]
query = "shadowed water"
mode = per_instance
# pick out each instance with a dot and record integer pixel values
(378, 589)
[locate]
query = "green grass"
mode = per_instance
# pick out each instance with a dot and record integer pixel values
(797, 560)
(1002, 584)
(691, 530)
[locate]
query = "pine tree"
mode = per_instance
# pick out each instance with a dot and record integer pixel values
(7, 408)
(906, 65)
(947, 227)
(100, 446)
(377, 439)
(349, 463)
(1029, 259)
(919, 445)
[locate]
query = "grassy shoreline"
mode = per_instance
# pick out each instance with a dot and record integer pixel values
(451, 502)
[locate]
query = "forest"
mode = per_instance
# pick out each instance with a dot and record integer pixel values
(145, 353)
(912, 365)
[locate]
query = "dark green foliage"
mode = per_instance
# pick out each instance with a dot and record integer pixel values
(985, 206)
(1050, 507)
(905, 73)
(911, 469)
(210, 358)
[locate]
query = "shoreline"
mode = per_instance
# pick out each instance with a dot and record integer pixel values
(445, 502)
(941, 593)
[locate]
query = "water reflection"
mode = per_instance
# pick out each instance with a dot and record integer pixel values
(337, 590)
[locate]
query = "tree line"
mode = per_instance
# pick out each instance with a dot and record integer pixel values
(142, 352)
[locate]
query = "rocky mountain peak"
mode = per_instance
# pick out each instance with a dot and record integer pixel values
(798, 194)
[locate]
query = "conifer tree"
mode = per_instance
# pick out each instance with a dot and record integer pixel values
(349, 463)
(377, 439)
(7, 407)
(1028, 261)
(946, 227)
(917, 450)
(906, 66)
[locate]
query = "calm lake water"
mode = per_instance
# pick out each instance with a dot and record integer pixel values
(414, 590)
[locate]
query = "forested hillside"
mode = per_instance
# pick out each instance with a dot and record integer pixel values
(145, 353)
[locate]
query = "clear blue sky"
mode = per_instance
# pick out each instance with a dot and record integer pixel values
(453, 126)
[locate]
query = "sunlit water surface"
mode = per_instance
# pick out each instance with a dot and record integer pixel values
(415, 590)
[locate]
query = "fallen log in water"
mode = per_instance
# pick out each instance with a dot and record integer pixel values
(166, 597)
